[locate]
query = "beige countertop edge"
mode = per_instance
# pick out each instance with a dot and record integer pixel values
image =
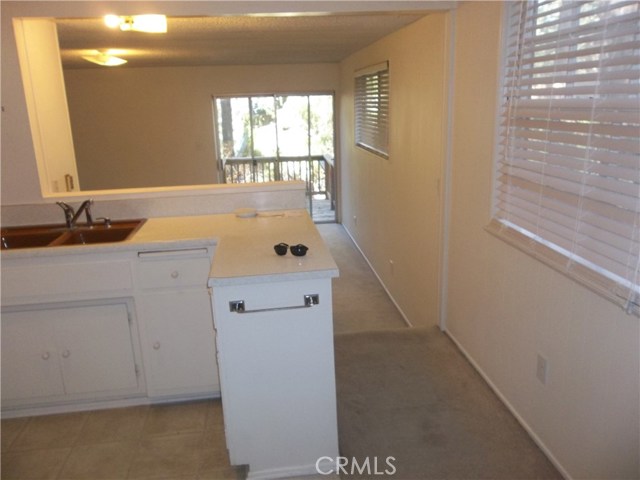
(125, 246)
(232, 238)
(269, 278)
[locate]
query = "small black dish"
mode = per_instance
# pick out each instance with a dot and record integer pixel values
(299, 250)
(281, 248)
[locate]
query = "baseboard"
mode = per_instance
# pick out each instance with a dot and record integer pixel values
(87, 405)
(393, 300)
(556, 463)
(80, 406)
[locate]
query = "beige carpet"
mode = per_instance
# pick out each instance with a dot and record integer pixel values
(359, 301)
(410, 394)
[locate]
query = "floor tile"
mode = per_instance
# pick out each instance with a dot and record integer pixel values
(227, 473)
(166, 456)
(215, 419)
(118, 424)
(213, 452)
(176, 418)
(10, 429)
(50, 431)
(102, 461)
(34, 464)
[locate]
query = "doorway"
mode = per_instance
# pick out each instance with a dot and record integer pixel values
(276, 137)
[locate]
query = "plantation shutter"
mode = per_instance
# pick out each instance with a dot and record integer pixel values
(568, 166)
(372, 109)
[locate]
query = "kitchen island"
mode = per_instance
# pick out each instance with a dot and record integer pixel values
(274, 324)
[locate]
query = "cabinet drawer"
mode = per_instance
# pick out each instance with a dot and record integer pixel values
(173, 269)
(65, 279)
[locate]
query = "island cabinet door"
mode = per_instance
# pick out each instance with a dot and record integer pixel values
(178, 343)
(277, 374)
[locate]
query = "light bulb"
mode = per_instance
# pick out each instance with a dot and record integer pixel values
(112, 21)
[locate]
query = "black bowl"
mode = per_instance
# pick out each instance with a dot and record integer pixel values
(281, 248)
(299, 250)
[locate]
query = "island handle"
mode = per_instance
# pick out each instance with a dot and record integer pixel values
(238, 306)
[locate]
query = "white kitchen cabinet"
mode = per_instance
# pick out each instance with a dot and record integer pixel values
(277, 375)
(119, 327)
(68, 352)
(178, 339)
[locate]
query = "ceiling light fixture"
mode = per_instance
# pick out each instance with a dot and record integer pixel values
(104, 59)
(138, 23)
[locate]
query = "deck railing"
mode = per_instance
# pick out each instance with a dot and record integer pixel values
(314, 170)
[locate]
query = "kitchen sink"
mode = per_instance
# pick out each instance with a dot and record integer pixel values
(87, 236)
(60, 235)
(28, 240)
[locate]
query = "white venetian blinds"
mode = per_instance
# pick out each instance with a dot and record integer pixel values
(568, 166)
(372, 109)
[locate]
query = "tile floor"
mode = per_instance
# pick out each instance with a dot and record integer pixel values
(173, 442)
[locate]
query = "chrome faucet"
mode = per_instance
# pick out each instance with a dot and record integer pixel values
(71, 216)
(69, 212)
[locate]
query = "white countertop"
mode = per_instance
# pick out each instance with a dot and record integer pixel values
(245, 252)
(244, 246)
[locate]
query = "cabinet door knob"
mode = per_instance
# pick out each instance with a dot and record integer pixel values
(156, 346)
(45, 356)
(66, 353)
(175, 274)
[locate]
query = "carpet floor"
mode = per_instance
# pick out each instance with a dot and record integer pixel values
(410, 394)
(359, 301)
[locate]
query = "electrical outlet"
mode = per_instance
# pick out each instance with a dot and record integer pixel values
(542, 369)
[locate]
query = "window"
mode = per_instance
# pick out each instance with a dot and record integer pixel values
(567, 184)
(372, 109)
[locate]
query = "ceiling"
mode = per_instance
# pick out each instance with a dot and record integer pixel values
(232, 40)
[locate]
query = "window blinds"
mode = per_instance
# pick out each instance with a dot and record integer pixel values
(568, 166)
(372, 109)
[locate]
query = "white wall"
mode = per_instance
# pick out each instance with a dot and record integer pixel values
(505, 307)
(392, 206)
(45, 96)
(147, 127)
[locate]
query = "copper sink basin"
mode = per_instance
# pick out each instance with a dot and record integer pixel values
(60, 235)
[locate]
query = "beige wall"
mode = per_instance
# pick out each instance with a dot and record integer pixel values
(19, 175)
(392, 206)
(505, 308)
(146, 127)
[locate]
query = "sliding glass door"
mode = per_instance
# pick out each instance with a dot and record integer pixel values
(266, 138)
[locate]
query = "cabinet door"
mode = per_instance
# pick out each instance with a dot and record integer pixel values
(67, 352)
(179, 343)
(277, 373)
(30, 366)
(96, 349)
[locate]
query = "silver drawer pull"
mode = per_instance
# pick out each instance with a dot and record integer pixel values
(237, 306)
